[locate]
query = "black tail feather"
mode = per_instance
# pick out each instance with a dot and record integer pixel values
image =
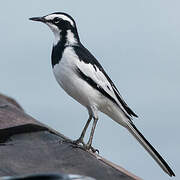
(152, 151)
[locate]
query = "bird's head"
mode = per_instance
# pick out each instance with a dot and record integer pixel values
(62, 25)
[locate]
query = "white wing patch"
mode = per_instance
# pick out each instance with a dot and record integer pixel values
(98, 77)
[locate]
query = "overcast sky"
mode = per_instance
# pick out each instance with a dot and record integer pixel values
(137, 42)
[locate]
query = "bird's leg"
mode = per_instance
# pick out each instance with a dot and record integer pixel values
(80, 139)
(88, 145)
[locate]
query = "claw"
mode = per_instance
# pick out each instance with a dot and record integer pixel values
(79, 141)
(94, 150)
(76, 144)
(89, 147)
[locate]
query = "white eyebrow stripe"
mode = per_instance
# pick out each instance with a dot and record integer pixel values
(64, 17)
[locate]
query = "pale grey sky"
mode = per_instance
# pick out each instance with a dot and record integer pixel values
(137, 42)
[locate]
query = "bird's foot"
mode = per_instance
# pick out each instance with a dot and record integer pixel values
(79, 141)
(76, 144)
(85, 147)
(89, 147)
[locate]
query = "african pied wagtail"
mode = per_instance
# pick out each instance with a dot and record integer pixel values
(82, 77)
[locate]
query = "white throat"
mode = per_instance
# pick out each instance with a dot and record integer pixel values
(56, 33)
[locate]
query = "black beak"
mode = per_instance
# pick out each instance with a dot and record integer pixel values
(40, 19)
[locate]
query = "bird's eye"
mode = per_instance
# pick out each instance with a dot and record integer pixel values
(56, 20)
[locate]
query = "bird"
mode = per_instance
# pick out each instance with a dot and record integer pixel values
(82, 77)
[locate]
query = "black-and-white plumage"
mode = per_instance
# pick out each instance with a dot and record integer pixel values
(83, 78)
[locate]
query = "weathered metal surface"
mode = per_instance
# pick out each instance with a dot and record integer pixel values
(27, 147)
(47, 176)
(12, 115)
(44, 152)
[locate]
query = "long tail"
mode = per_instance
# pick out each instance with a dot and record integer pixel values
(150, 149)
